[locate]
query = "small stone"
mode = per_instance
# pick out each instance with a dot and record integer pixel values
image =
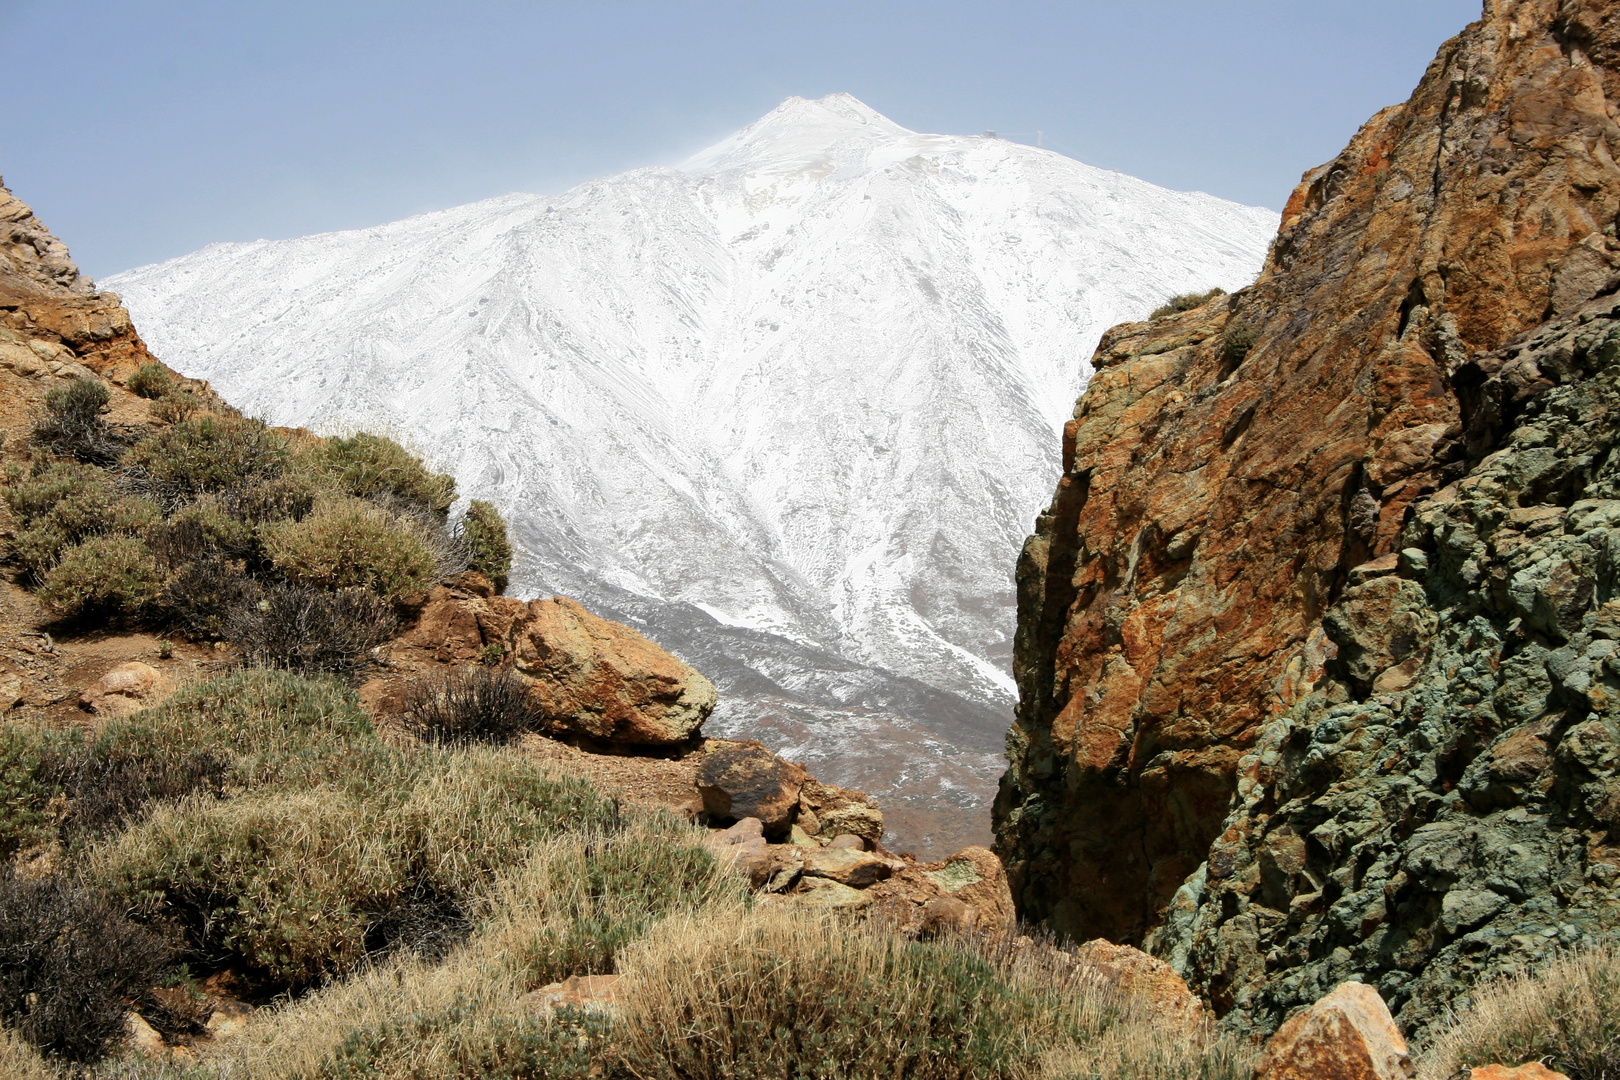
(142, 1037)
(126, 689)
(782, 881)
(945, 915)
(848, 842)
(588, 993)
(743, 848)
(1136, 974)
(749, 828)
(1531, 1070)
(855, 868)
(11, 692)
(827, 893)
(228, 1018)
(1374, 568)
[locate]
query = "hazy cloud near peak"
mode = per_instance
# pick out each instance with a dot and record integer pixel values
(151, 130)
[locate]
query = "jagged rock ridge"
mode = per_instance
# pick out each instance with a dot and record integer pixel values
(788, 408)
(1311, 639)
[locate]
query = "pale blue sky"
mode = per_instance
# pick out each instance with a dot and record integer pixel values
(144, 129)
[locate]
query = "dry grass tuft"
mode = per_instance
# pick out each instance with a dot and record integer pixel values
(782, 993)
(20, 1061)
(1565, 1015)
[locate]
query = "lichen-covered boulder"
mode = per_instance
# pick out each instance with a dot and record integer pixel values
(1348, 1035)
(601, 680)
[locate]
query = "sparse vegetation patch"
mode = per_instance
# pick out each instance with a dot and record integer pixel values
(470, 704)
(1185, 302)
(490, 549)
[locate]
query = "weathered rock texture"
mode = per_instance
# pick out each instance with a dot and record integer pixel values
(1348, 1035)
(53, 323)
(127, 688)
(594, 679)
(744, 779)
(1265, 589)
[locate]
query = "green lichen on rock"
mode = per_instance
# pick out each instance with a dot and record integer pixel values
(1445, 806)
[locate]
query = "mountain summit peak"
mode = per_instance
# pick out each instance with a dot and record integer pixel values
(797, 128)
(790, 409)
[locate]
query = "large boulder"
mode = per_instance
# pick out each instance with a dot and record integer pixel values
(594, 679)
(1348, 1035)
(603, 681)
(743, 779)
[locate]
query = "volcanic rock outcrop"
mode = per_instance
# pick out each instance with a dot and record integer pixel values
(53, 322)
(1312, 639)
(592, 678)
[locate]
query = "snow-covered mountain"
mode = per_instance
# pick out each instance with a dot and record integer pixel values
(791, 406)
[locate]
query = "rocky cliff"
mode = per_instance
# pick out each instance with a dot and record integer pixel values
(53, 314)
(1311, 637)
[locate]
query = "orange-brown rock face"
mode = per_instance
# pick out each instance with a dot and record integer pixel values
(594, 679)
(1214, 499)
(50, 314)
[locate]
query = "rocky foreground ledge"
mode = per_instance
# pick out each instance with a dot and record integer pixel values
(625, 714)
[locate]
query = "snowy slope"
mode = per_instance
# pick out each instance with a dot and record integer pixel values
(803, 390)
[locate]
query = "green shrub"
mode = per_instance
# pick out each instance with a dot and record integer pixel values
(1185, 302)
(35, 498)
(23, 796)
(36, 550)
(64, 504)
(350, 543)
(218, 530)
(1564, 1016)
(175, 407)
(61, 785)
(368, 465)
(470, 704)
(69, 961)
(282, 881)
(210, 453)
(489, 547)
(104, 575)
(275, 727)
(468, 1044)
(606, 895)
(151, 381)
(292, 882)
(73, 422)
(299, 628)
(131, 516)
(101, 785)
(1236, 342)
(286, 497)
